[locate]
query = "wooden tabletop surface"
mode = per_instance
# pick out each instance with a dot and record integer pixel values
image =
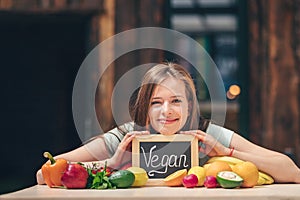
(266, 192)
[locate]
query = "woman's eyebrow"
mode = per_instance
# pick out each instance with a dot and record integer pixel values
(156, 98)
(175, 96)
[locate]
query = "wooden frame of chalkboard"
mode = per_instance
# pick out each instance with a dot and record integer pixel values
(161, 155)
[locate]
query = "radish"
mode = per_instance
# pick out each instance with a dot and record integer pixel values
(210, 182)
(190, 181)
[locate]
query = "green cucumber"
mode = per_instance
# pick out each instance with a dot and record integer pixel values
(122, 178)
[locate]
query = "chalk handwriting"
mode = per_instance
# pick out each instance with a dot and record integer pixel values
(164, 162)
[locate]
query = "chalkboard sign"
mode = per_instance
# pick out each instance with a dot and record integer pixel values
(161, 155)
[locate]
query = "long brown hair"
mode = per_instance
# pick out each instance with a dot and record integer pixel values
(140, 101)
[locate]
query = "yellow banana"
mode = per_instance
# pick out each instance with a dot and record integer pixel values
(228, 159)
(261, 181)
(268, 178)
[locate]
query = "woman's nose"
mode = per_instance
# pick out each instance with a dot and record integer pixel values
(166, 108)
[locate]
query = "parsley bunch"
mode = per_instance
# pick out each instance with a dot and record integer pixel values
(98, 179)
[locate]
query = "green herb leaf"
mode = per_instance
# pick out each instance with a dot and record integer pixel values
(98, 179)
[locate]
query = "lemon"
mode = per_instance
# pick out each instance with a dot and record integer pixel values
(140, 174)
(206, 166)
(175, 179)
(199, 172)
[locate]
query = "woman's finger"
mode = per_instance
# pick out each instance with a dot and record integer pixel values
(212, 146)
(129, 137)
(200, 135)
(138, 133)
(125, 142)
(193, 132)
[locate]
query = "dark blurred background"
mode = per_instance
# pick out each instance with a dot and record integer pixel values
(255, 45)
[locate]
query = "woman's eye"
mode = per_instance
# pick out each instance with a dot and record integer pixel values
(155, 102)
(176, 101)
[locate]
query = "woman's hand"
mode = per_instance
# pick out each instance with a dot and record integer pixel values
(39, 177)
(123, 154)
(211, 146)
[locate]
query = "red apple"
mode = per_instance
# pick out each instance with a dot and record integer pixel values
(75, 176)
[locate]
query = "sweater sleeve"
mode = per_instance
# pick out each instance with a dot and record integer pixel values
(221, 134)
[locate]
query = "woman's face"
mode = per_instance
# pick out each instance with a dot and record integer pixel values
(168, 110)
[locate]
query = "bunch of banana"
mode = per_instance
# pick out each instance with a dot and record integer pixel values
(264, 179)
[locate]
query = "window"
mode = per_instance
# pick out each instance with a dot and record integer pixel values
(215, 25)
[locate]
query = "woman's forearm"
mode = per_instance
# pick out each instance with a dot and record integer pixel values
(297, 177)
(279, 166)
(276, 164)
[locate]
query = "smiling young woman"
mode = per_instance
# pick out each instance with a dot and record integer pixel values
(166, 104)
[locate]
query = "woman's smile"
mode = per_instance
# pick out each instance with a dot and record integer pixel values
(168, 121)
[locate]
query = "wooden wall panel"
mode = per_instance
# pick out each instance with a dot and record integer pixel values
(51, 6)
(274, 75)
(134, 14)
(106, 29)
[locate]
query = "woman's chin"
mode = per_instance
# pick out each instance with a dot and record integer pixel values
(168, 131)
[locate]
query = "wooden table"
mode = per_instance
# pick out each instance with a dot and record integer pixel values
(267, 192)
